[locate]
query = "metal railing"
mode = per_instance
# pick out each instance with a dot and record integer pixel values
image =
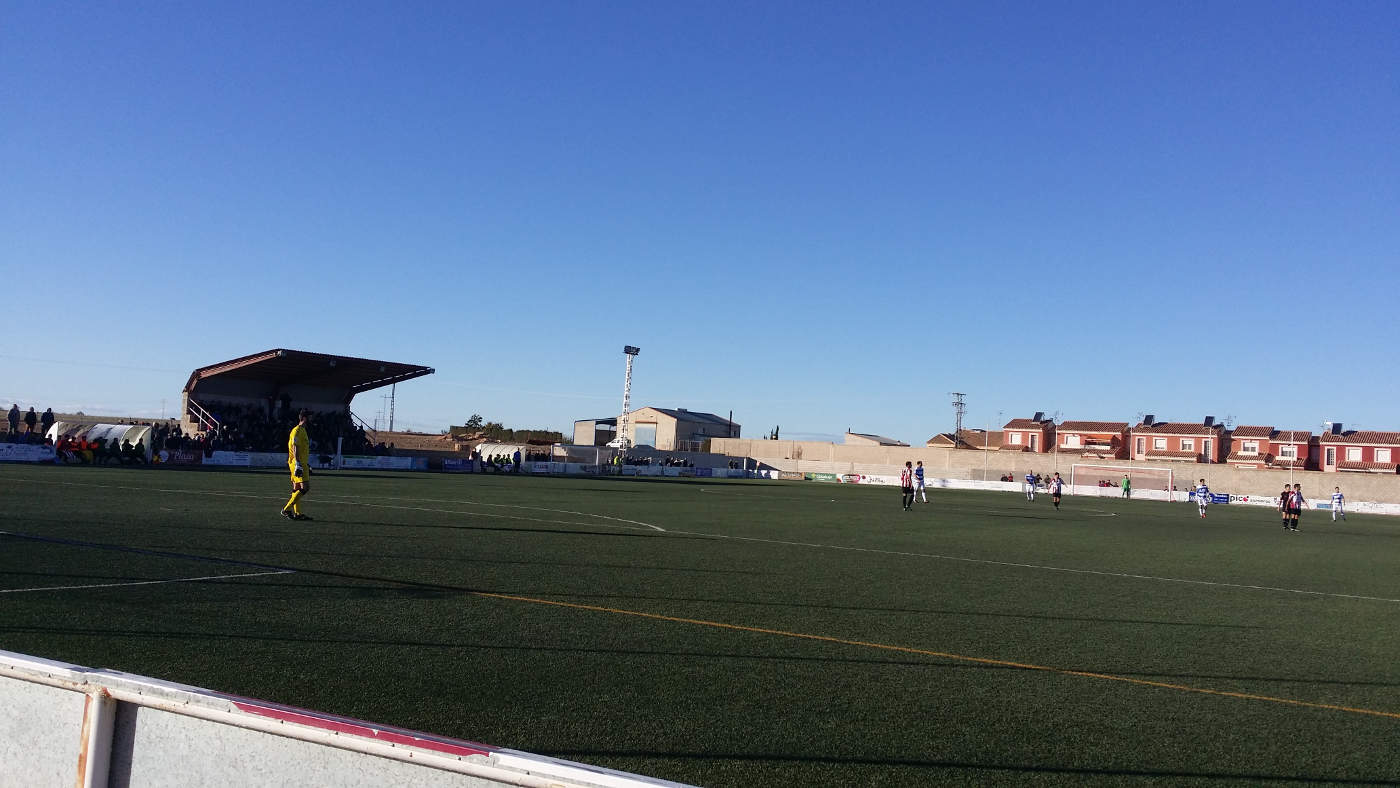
(198, 414)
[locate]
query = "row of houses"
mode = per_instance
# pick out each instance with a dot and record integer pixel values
(1204, 442)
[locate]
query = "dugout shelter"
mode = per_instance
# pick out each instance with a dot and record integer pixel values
(288, 380)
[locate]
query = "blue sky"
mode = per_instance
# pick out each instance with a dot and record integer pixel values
(818, 215)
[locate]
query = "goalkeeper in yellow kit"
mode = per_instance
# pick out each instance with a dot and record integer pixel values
(299, 462)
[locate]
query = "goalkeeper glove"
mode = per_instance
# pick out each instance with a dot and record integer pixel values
(300, 471)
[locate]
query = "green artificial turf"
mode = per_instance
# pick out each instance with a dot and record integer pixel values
(771, 634)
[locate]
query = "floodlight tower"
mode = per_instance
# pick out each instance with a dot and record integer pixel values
(623, 441)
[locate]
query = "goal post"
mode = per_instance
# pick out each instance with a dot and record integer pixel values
(1108, 479)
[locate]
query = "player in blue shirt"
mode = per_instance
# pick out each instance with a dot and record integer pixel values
(919, 481)
(1338, 504)
(1202, 497)
(1030, 485)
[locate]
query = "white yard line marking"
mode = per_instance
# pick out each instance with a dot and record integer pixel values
(145, 582)
(1041, 567)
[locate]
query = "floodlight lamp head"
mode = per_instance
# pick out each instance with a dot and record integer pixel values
(631, 350)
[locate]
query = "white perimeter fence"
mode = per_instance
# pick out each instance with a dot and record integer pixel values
(65, 725)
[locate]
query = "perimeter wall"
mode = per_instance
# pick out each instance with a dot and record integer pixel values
(819, 457)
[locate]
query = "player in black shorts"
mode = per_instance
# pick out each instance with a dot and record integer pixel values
(1283, 505)
(1295, 506)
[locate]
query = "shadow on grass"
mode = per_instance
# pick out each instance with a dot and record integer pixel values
(568, 652)
(969, 766)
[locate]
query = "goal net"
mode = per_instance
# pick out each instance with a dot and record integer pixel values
(1108, 479)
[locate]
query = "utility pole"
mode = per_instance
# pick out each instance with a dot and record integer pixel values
(959, 408)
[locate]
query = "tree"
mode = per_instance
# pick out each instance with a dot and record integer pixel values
(474, 422)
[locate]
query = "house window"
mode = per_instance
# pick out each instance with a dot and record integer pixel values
(1288, 452)
(1249, 447)
(1160, 444)
(1071, 441)
(1353, 454)
(1188, 444)
(1015, 438)
(1033, 437)
(1382, 455)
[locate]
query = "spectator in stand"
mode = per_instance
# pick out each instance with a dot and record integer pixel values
(14, 419)
(517, 457)
(47, 420)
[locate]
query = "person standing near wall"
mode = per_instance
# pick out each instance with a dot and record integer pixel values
(1296, 502)
(919, 481)
(1338, 504)
(906, 484)
(1127, 486)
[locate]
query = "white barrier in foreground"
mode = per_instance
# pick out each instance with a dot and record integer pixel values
(66, 725)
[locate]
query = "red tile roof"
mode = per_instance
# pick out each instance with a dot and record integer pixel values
(1254, 432)
(1027, 424)
(1383, 467)
(1292, 436)
(971, 439)
(1172, 455)
(1013, 447)
(1264, 459)
(1363, 437)
(1094, 426)
(1178, 428)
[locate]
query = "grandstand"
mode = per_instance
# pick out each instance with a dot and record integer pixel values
(261, 392)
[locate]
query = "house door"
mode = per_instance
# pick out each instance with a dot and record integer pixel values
(1205, 449)
(1331, 457)
(1033, 437)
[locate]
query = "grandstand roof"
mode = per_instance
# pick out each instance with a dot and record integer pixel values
(355, 375)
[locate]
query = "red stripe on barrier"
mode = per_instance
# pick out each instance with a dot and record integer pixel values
(366, 730)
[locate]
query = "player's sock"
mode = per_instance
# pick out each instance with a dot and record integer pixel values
(292, 504)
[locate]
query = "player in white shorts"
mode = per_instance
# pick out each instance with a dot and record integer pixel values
(1030, 485)
(1338, 504)
(919, 482)
(1202, 497)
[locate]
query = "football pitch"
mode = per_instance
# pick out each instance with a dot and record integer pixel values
(737, 633)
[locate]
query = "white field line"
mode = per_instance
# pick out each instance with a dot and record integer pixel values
(631, 525)
(871, 550)
(145, 582)
(1040, 567)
